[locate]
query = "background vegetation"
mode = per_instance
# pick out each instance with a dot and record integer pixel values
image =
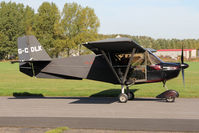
(12, 81)
(62, 32)
(59, 32)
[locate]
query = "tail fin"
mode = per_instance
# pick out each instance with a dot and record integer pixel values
(29, 49)
(32, 56)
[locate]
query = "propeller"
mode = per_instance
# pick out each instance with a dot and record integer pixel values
(182, 62)
(183, 66)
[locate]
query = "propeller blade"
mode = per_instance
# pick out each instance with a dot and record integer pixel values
(182, 56)
(183, 77)
(182, 64)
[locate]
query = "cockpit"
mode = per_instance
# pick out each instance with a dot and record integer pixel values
(138, 65)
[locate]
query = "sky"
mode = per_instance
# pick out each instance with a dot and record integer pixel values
(154, 18)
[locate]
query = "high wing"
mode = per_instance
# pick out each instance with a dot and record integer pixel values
(114, 45)
(114, 51)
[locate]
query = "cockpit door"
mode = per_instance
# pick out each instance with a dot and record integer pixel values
(138, 69)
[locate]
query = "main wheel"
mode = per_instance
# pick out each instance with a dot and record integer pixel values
(123, 98)
(131, 95)
(170, 99)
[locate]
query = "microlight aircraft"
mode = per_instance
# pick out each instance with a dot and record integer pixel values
(116, 60)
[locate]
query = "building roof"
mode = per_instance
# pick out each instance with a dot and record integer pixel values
(175, 50)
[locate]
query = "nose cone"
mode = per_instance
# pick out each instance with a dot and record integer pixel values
(184, 65)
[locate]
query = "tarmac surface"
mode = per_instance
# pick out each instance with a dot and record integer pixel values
(141, 114)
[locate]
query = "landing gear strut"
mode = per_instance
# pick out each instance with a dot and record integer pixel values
(124, 97)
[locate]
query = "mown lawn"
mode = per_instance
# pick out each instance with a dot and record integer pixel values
(12, 81)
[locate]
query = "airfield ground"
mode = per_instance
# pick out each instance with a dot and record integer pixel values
(12, 81)
(43, 130)
(53, 103)
(142, 114)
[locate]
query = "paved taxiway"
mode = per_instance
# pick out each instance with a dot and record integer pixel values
(102, 113)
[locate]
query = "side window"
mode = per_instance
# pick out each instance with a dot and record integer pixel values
(153, 59)
(138, 59)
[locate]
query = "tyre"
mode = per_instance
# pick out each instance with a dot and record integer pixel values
(170, 99)
(131, 95)
(123, 98)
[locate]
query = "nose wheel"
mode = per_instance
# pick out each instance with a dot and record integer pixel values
(170, 99)
(168, 95)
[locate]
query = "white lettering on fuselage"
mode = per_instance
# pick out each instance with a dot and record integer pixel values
(32, 49)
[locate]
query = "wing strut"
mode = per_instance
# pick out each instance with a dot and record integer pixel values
(109, 63)
(129, 64)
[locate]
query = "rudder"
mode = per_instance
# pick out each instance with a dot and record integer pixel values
(32, 56)
(29, 49)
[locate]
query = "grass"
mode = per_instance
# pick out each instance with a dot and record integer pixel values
(58, 130)
(12, 82)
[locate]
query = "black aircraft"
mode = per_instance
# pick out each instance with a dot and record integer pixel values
(116, 60)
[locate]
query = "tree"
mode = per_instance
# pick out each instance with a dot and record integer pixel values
(11, 27)
(28, 20)
(46, 26)
(3, 46)
(79, 25)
